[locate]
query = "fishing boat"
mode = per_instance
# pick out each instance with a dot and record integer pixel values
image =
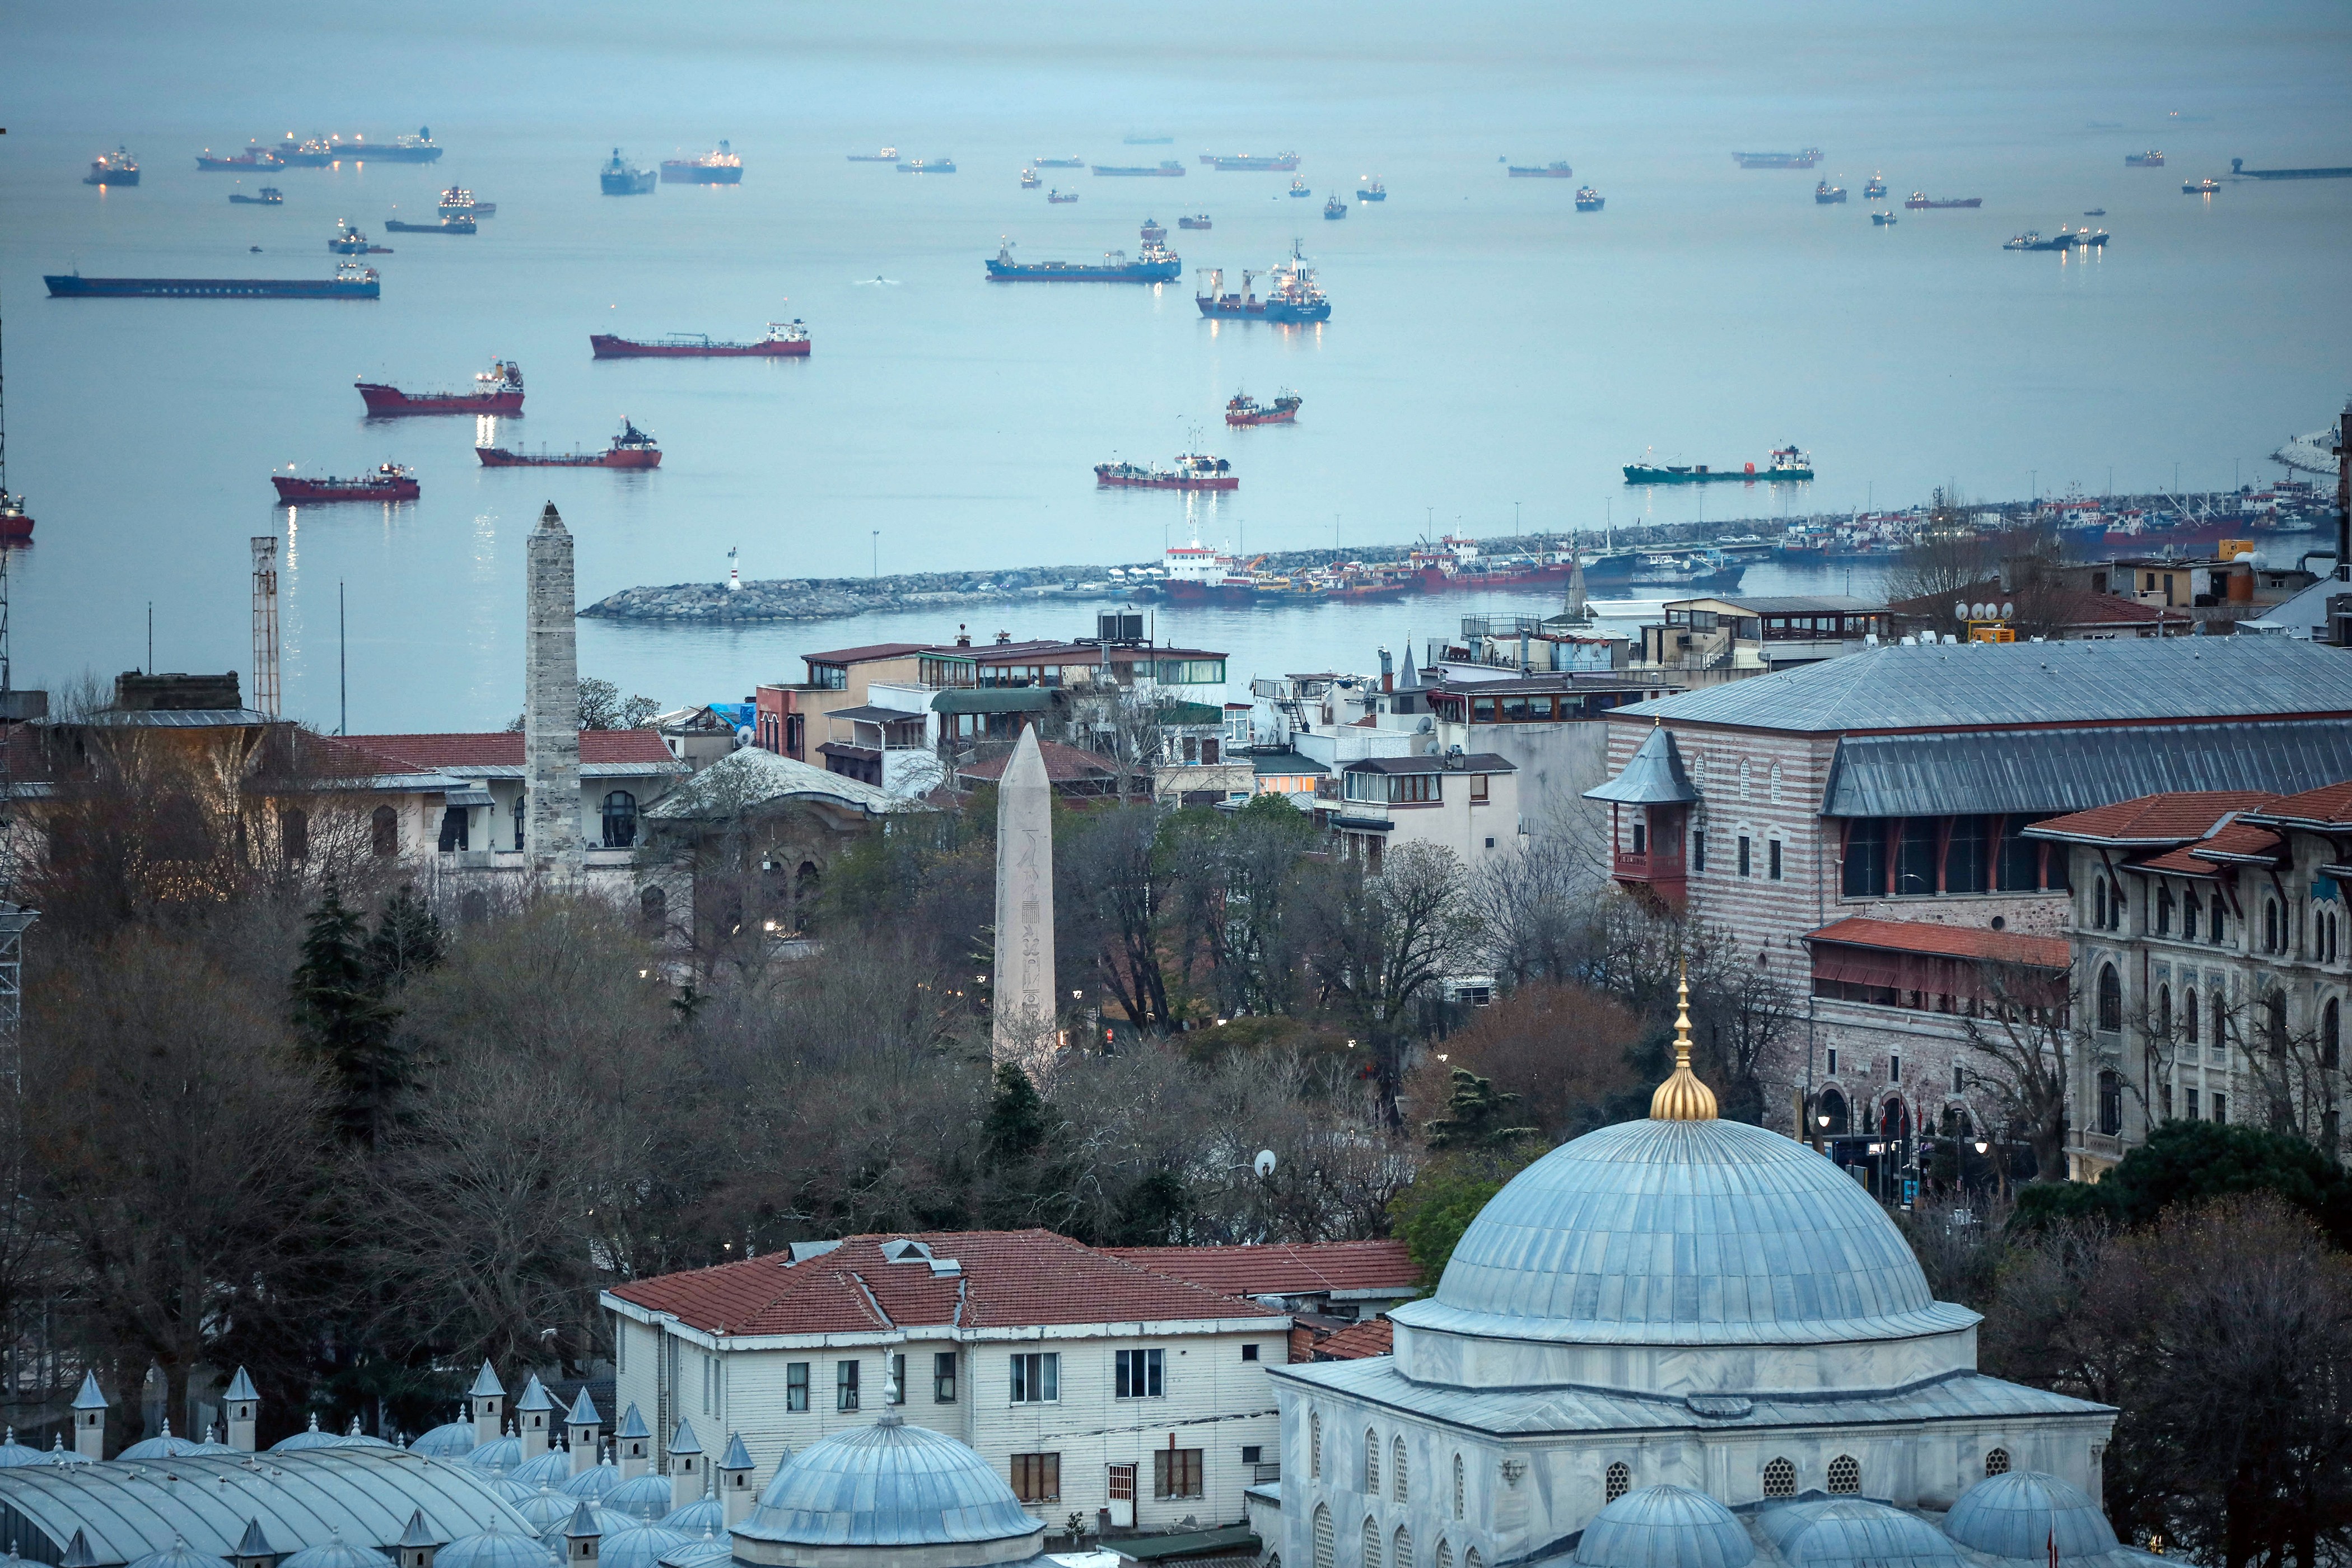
(1298, 187)
(1372, 190)
(1334, 208)
(1827, 194)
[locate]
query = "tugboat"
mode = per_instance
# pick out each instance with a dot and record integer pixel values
(1298, 187)
(1152, 233)
(1335, 207)
(1556, 169)
(1919, 202)
(1588, 200)
(785, 340)
(1198, 220)
(115, 168)
(458, 201)
(888, 156)
(1029, 180)
(498, 390)
(1194, 471)
(1156, 264)
(622, 178)
(1883, 220)
(270, 196)
(1788, 465)
(1875, 189)
(632, 448)
(1374, 191)
(719, 168)
(350, 241)
(2151, 159)
(256, 156)
(1243, 409)
(1294, 296)
(1054, 198)
(391, 481)
(1826, 194)
(461, 224)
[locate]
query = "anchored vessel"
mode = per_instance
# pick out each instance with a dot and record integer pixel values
(458, 201)
(2238, 167)
(498, 390)
(318, 151)
(1292, 294)
(1918, 202)
(1029, 180)
(390, 481)
(1372, 190)
(1299, 187)
(1556, 170)
(1155, 264)
(1804, 160)
(784, 340)
(1153, 232)
(2200, 187)
(1884, 220)
(1826, 194)
(256, 156)
(2083, 238)
(115, 168)
(632, 448)
(1875, 189)
(1194, 471)
(1198, 220)
(270, 196)
(1060, 198)
(1279, 163)
(719, 168)
(1061, 163)
(623, 178)
(351, 281)
(2151, 159)
(1167, 169)
(1243, 409)
(928, 166)
(888, 156)
(350, 241)
(1588, 200)
(1787, 464)
(461, 224)
(1335, 207)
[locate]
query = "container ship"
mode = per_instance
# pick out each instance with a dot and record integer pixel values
(351, 281)
(1279, 163)
(1167, 169)
(1588, 200)
(1920, 203)
(1293, 295)
(1194, 471)
(928, 166)
(623, 178)
(719, 168)
(1827, 194)
(2151, 159)
(785, 340)
(461, 224)
(887, 155)
(1804, 160)
(1243, 409)
(632, 448)
(498, 390)
(390, 481)
(256, 156)
(1787, 464)
(115, 168)
(1556, 170)
(1156, 264)
(270, 196)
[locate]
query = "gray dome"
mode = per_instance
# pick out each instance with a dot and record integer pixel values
(13, 1453)
(704, 1512)
(1853, 1532)
(705, 1549)
(888, 1485)
(646, 1496)
(640, 1546)
(507, 1489)
(608, 1524)
(493, 1548)
(313, 1438)
(2020, 1513)
(163, 1447)
(179, 1555)
(1706, 1232)
(546, 1508)
(450, 1440)
(1665, 1527)
(554, 1468)
(594, 1482)
(498, 1453)
(334, 1554)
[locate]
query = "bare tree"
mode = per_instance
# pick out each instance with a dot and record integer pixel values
(2028, 1041)
(1113, 880)
(1383, 941)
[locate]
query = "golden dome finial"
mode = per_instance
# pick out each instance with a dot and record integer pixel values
(1682, 1098)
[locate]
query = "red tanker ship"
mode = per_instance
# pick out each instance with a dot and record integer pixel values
(784, 339)
(498, 390)
(391, 481)
(632, 448)
(1243, 409)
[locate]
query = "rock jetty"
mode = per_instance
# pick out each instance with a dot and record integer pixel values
(826, 598)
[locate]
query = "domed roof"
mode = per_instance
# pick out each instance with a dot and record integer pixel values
(888, 1485)
(1665, 1527)
(641, 1546)
(1683, 1232)
(179, 1555)
(608, 1524)
(646, 1496)
(704, 1512)
(334, 1554)
(498, 1453)
(2021, 1514)
(1853, 1532)
(311, 1438)
(554, 1468)
(494, 1548)
(546, 1508)
(450, 1440)
(705, 1548)
(163, 1447)
(507, 1489)
(594, 1482)
(13, 1453)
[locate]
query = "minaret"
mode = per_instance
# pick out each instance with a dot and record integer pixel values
(579, 1430)
(254, 1550)
(735, 1489)
(581, 1537)
(635, 1443)
(533, 1411)
(550, 704)
(489, 1397)
(1682, 1098)
(89, 1419)
(686, 1457)
(417, 1544)
(1024, 1012)
(244, 1402)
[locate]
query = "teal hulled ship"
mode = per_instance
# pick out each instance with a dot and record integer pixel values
(1787, 464)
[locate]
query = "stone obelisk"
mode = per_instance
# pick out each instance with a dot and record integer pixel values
(1024, 1032)
(550, 704)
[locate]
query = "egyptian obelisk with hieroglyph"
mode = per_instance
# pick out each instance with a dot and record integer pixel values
(1024, 1031)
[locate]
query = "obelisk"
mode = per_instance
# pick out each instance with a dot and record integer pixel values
(1023, 1015)
(550, 704)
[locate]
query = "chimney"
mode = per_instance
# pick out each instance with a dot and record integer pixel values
(489, 1397)
(579, 1430)
(735, 1489)
(254, 1550)
(963, 637)
(551, 701)
(244, 1403)
(636, 1445)
(1388, 671)
(580, 1537)
(533, 1412)
(1004, 637)
(685, 1466)
(89, 1419)
(417, 1546)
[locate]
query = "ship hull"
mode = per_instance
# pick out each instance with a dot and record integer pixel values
(1727, 578)
(1645, 474)
(698, 174)
(1270, 416)
(1804, 160)
(607, 347)
(384, 402)
(455, 225)
(110, 177)
(1219, 310)
(1020, 272)
(1173, 172)
(16, 528)
(293, 489)
(1285, 165)
(237, 166)
(1917, 205)
(1169, 482)
(69, 288)
(238, 198)
(632, 457)
(1211, 592)
(639, 184)
(1563, 173)
(394, 154)
(1593, 206)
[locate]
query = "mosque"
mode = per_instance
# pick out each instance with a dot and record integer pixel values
(1678, 1342)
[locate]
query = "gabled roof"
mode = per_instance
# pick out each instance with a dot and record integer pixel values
(1974, 942)
(2235, 843)
(1064, 764)
(583, 1411)
(2325, 809)
(1373, 1336)
(1285, 1269)
(486, 1384)
(1652, 776)
(1016, 1278)
(2179, 816)
(753, 777)
(736, 1458)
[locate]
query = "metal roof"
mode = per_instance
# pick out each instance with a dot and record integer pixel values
(1468, 763)
(1855, 1532)
(738, 1457)
(1265, 763)
(753, 777)
(870, 714)
(178, 718)
(993, 699)
(1785, 604)
(583, 1411)
(1991, 685)
(2059, 770)
(1652, 776)
(1665, 1527)
(888, 1485)
(2029, 1514)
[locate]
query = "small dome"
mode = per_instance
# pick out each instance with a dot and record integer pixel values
(640, 1547)
(546, 1508)
(554, 1468)
(179, 1555)
(312, 1438)
(507, 1488)
(1665, 1527)
(1854, 1532)
(498, 1453)
(334, 1554)
(163, 1447)
(608, 1525)
(704, 1512)
(888, 1485)
(594, 1482)
(13, 1453)
(209, 1450)
(2021, 1514)
(646, 1496)
(493, 1548)
(708, 1549)
(450, 1440)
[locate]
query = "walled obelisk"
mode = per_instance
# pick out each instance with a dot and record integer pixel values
(1023, 1015)
(550, 704)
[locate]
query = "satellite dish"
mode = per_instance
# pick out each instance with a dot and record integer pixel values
(1264, 1164)
(1983, 610)
(1959, 612)
(2006, 610)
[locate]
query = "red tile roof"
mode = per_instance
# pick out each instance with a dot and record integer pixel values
(2329, 804)
(1011, 1278)
(1302, 1268)
(1946, 941)
(2239, 838)
(503, 748)
(1369, 1338)
(2177, 817)
(1064, 764)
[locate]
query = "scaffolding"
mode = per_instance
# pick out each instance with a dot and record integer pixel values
(265, 623)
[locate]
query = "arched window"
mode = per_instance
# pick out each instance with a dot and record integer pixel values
(1471, 1559)
(806, 883)
(1461, 1486)
(653, 911)
(2274, 1024)
(2270, 925)
(1444, 1553)
(1615, 1481)
(2111, 1104)
(1397, 1475)
(1371, 1542)
(1997, 1462)
(384, 830)
(1781, 1479)
(2099, 903)
(521, 815)
(2331, 1043)
(1325, 1540)
(1776, 784)
(2111, 1000)
(2188, 1016)
(620, 819)
(1372, 1466)
(1401, 1557)
(294, 834)
(1832, 1104)
(2221, 1024)
(2164, 1012)
(1314, 1446)
(1845, 1476)
(1743, 781)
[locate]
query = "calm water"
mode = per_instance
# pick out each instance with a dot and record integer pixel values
(1492, 354)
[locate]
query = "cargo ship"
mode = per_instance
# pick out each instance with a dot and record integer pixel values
(1194, 471)
(1920, 203)
(458, 224)
(1279, 163)
(1243, 409)
(1029, 180)
(719, 168)
(1334, 208)
(351, 281)
(1460, 564)
(2065, 239)
(1152, 232)
(623, 178)
(785, 340)
(1198, 220)
(1588, 200)
(1156, 264)
(350, 241)
(2237, 167)
(270, 196)
(1875, 189)
(391, 481)
(1058, 197)
(1298, 187)
(1372, 190)
(1826, 194)
(928, 166)
(1884, 220)
(1293, 295)
(1804, 160)
(1788, 465)
(319, 151)
(1196, 574)
(14, 526)
(2151, 159)
(498, 390)
(1167, 169)
(632, 448)
(1556, 170)
(115, 168)
(1061, 163)
(256, 156)
(888, 156)
(2200, 187)
(458, 201)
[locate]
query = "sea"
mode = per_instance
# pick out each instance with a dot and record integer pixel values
(1493, 357)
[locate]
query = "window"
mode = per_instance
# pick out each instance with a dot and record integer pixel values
(1845, 1476)
(1396, 1475)
(1776, 784)
(943, 1377)
(2221, 1024)
(2190, 909)
(2099, 903)
(1445, 1555)
(2220, 1107)
(896, 1393)
(2111, 1104)
(2164, 1012)
(1461, 1479)
(1314, 1446)
(1253, 1454)
(1641, 838)
(1323, 1537)
(2188, 1102)
(1698, 848)
(2018, 861)
(294, 834)
(1036, 1477)
(1402, 1557)
(2331, 1049)
(1772, 858)
(620, 819)
(2188, 1016)
(1139, 1373)
(1894, 1068)
(845, 1386)
(1914, 858)
(2217, 930)
(521, 814)
(2111, 1000)
(1832, 1058)
(1616, 1481)
(1997, 1462)
(796, 1385)
(384, 830)
(2270, 925)
(1745, 869)
(1471, 1559)
(1372, 1553)
(1966, 856)
(1176, 1472)
(1371, 1463)
(1781, 1479)
(1743, 781)
(1036, 1379)
(1249, 1353)
(453, 827)
(1864, 874)
(1832, 1105)
(1478, 789)
(1959, 1079)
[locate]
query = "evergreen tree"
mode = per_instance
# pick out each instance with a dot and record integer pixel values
(409, 941)
(339, 1018)
(1476, 1116)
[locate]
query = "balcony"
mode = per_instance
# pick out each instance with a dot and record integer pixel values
(1660, 874)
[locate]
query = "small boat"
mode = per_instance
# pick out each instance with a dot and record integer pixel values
(1029, 180)
(2151, 159)
(458, 201)
(1055, 198)
(2197, 189)
(1152, 233)
(1298, 187)
(1588, 200)
(391, 481)
(1243, 409)
(1875, 189)
(888, 156)
(1883, 220)
(14, 526)
(1372, 190)
(270, 196)
(632, 448)
(1335, 207)
(1198, 220)
(115, 168)
(459, 225)
(2095, 212)
(1827, 194)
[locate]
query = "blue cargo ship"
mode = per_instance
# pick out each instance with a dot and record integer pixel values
(351, 281)
(1155, 264)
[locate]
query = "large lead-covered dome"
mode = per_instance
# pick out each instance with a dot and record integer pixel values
(888, 1485)
(1684, 1233)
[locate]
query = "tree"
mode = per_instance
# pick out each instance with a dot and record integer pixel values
(1431, 1215)
(1234, 878)
(1382, 941)
(342, 1022)
(602, 707)
(1112, 878)
(2186, 1163)
(409, 941)
(1476, 1116)
(1565, 1051)
(2022, 1045)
